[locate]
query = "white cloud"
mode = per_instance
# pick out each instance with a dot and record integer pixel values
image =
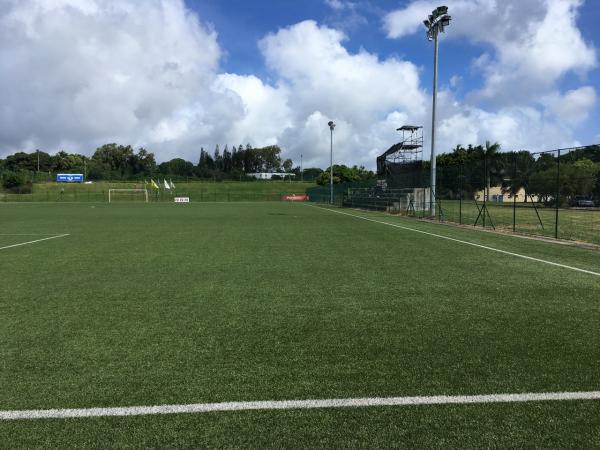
(357, 90)
(534, 42)
(532, 45)
(80, 73)
(266, 110)
(338, 5)
(574, 106)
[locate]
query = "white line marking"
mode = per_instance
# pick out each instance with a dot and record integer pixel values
(296, 404)
(28, 234)
(463, 242)
(33, 242)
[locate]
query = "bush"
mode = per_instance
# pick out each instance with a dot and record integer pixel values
(16, 182)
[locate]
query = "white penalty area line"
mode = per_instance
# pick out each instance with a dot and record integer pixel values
(33, 242)
(296, 404)
(441, 236)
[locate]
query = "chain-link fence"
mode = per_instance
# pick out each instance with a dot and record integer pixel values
(197, 192)
(554, 193)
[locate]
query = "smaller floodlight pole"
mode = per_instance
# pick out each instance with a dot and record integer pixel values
(435, 23)
(331, 127)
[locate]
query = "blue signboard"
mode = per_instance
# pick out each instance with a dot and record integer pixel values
(69, 178)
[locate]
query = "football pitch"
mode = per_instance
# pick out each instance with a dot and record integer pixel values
(139, 324)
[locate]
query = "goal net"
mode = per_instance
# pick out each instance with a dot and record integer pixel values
(127, 195)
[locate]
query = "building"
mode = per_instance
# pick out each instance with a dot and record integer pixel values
(497, 196)
(269, 175)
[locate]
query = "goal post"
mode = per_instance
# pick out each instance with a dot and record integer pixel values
(128, 195)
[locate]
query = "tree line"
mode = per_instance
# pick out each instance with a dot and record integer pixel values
(114, 161)
(541, 175)
(123, 162)
(462, 170)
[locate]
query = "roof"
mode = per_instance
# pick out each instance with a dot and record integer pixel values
(408, 128)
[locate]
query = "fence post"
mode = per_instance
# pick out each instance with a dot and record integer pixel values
(514, 193)
(557, 195)
(460, 192)
(484, 186)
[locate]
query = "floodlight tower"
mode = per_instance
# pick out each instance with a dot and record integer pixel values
(437, 21)
(331, 127)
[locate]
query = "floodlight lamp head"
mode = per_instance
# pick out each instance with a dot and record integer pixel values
(331, 125)
(441, 10)
(426, 23)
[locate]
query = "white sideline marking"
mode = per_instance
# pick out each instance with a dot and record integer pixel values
(33, 242)
(441, 236)
(27, 234)
(296, 404)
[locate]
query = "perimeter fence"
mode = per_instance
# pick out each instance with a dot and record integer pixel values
(553, 193)
(197, 192)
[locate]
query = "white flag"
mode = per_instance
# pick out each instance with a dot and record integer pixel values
(172, 184)
(166, 184)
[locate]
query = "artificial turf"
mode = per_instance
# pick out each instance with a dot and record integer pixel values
(147, 304)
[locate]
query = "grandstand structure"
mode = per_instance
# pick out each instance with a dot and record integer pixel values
(408, 153)
(402, 185)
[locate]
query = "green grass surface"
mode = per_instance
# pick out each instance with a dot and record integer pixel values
(197, 190)
(147, 304)
(582, 224)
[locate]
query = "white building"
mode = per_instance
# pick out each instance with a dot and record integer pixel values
(268, 175)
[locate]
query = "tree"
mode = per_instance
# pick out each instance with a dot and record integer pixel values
(178, 167)
(227, 161)
(494, 165)
(312, 173)
(579, 178)
(142, 163)
(16, 182)
(287, 165)
(218, 159)
(519, 168)
(344, 174)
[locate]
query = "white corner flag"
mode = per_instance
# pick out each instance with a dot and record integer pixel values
(172, 184)
(166, 184)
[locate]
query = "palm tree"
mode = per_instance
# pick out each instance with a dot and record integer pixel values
(493, 163)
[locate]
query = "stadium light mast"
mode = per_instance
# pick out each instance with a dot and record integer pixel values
(437, 21)
(331, 127)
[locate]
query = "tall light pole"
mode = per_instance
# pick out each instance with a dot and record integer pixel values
(301, 170)
(435, 23)
(331, 127)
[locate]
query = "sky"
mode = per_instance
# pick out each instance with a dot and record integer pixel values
(176, 76)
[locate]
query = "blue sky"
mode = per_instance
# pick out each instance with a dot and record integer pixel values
(175, 76)
(241, 24)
